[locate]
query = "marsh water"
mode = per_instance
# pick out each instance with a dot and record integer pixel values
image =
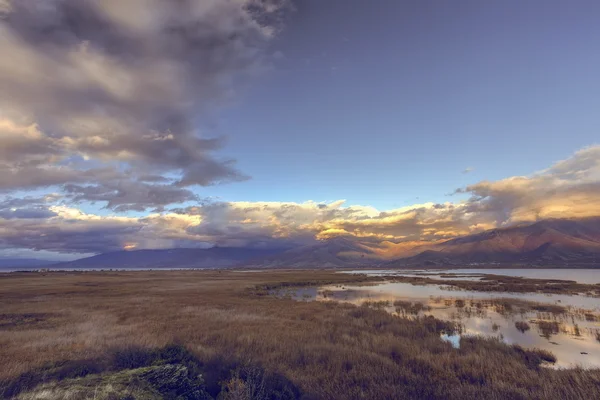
(566, 325)
(589, 276)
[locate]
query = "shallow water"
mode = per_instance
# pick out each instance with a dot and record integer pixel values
(567, 334)
(590, 276)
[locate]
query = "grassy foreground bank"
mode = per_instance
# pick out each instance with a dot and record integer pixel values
(210, 334)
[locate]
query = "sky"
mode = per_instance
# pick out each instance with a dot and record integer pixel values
(157, 124)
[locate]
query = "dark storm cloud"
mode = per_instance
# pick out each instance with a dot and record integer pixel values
(125, 82)
(68, 230)
(27, 213)
(27, 207)
(66, 237)
(17, 202)
(126, 195)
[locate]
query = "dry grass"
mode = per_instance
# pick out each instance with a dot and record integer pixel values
(522, 326)
(327, 350)
(404, 307)
(548, 328)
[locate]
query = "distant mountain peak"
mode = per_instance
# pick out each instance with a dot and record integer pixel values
(549, 242)
(214, 257)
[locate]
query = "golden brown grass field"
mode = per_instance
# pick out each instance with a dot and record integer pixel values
(104, 334)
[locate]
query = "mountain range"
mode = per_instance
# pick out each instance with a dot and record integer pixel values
(549, 242)
(555, 242)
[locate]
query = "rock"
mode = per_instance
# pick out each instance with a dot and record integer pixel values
(172, 380)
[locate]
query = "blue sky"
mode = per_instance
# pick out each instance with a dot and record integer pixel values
(383, 105)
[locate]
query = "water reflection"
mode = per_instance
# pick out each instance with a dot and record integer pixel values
(453, 339)
(568, 326)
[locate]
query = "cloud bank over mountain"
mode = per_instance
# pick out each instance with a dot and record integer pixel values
(568, 189)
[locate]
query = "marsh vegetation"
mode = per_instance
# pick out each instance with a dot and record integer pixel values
(224, 335)
(566, 325)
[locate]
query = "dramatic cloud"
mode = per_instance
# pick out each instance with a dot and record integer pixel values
(102, 94)
(124, 195)
(568, 189)
(27, 208)
(269, 223)
(69, 230)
